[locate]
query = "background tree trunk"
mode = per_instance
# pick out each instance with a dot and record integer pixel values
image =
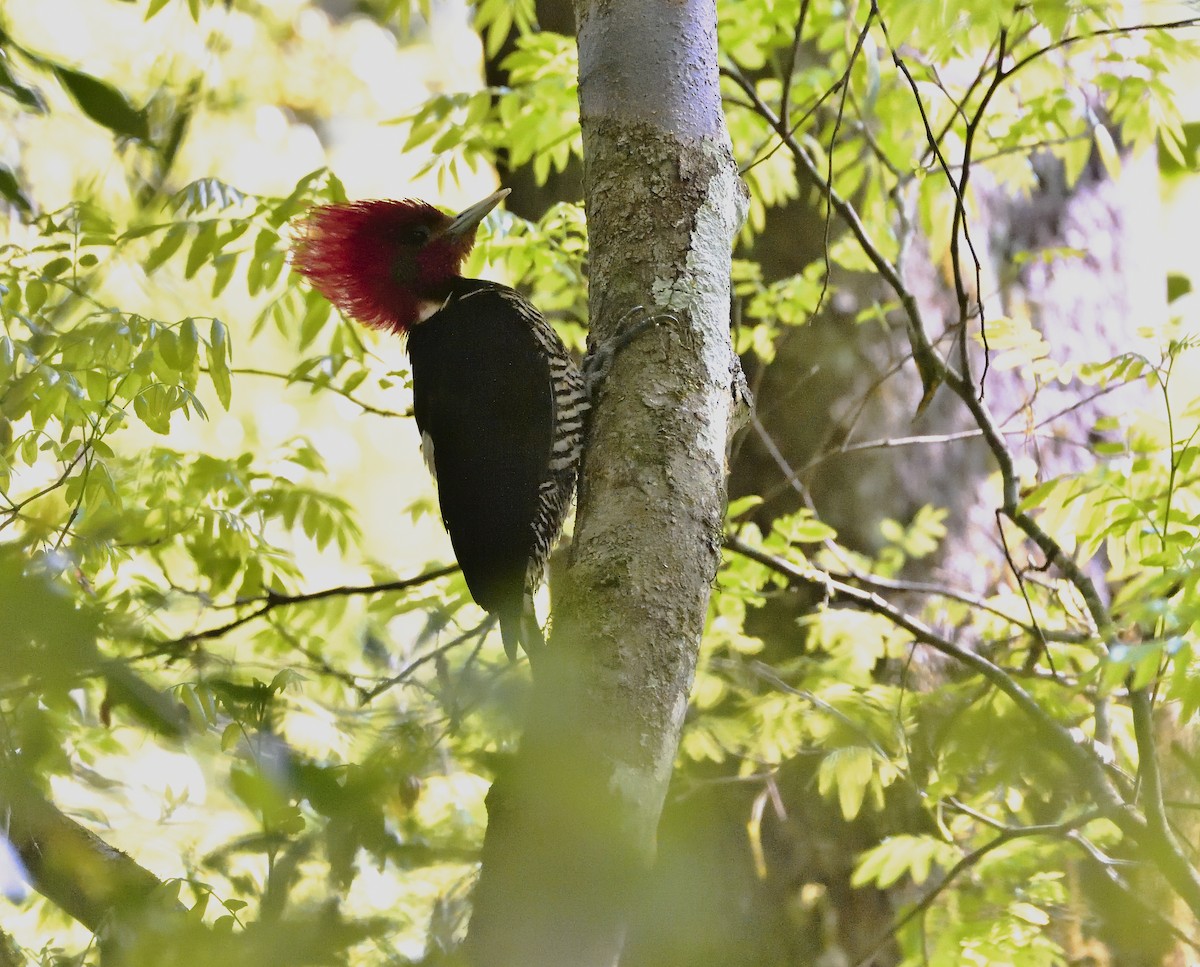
(572, 821)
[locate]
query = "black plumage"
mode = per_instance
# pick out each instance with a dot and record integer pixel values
(499, 402)
(501, 405)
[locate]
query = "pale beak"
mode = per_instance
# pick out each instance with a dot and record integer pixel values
(467, 220)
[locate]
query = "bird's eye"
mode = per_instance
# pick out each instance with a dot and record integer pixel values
(418, 235)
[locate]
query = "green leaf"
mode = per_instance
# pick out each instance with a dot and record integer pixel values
(742, 505)
(189, 343)
(1030, 914)
(902, 855)
(154, 7)
(28, 97)
(7, 359)
(10, 188)
(808, 530)
(218, 354)
(1106, 148)
(140, 231)
(56, 267)
(152, 407)
(167, 344)
(166, 248)
(196, 710)
(316, 314)
(850, 771)
(35, 295)
(264, 247)
(223, 266)
(104, 104)
(206, 193)
(201, 248)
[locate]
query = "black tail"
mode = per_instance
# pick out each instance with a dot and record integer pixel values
(519, 628)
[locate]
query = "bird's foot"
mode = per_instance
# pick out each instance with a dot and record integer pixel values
(600, 357)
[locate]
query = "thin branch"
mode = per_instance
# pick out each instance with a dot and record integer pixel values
(14, 510)
(765, 673)
(959, 225)
(1088, 766)
(274, 599)
(890, 443)
(1007, 835)
(407, 671)
(984, 70)
(68, 863)
(322, 384)
(1082, 759)
(922, 348)
(793, 127)
(877, 583)
(1149, 777)
(320, 663)
(1106, 32)
(793, 53)
(1026, 149)
(1020, 578)
(837, 126)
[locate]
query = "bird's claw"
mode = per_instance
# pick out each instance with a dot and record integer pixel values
(600, 358)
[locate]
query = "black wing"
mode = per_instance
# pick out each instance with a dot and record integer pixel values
(482, 396)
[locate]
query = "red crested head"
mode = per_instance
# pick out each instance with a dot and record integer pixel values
(386, 264)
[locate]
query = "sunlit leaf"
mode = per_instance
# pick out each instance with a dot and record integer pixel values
(28, 97)
(848, 771)
(12, 191)
(217, 354)
(104, 104)
(169, 245)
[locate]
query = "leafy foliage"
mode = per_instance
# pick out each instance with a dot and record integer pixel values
(204, 658)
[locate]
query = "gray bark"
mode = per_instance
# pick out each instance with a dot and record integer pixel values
(572, 821)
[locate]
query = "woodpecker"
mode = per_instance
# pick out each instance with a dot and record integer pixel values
(498, 400)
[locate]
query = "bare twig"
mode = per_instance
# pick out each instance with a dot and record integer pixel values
(959, 228)
(1107, 32)
(407, 671)
(274, 599)
(321, 384)
(793, 53)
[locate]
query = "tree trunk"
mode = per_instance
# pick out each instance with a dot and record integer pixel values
(572, 821)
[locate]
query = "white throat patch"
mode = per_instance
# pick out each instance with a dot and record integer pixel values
(427, 307)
